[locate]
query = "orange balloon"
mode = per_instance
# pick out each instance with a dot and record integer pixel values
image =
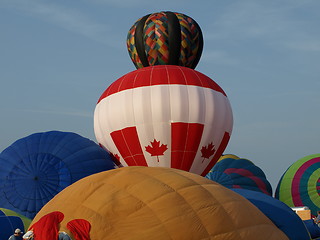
(159, 203)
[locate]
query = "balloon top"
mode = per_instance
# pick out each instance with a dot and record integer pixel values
(165, 38)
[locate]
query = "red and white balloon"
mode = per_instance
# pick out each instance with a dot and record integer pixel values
(164, 116)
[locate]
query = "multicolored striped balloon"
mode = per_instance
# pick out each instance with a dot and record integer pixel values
(300, 184)
(164, 116)
(240, 173)
(165, 38)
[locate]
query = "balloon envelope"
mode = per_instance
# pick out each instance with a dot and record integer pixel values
(279, 213)
(165, 38)
(9, 221)
(35, 168)
(240, 173)
(26, 221)
(313, 228)
(299, 185)
(166, 116)
(159, 203)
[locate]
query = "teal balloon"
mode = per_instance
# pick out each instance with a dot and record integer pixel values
(240, 173)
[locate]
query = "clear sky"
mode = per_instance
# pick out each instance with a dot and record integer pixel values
(57, 57)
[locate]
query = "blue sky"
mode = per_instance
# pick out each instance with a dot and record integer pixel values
(57, 57)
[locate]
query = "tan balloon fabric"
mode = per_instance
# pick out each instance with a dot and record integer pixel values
(136, 203)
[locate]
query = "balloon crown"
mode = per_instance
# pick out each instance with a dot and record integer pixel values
(165, 38)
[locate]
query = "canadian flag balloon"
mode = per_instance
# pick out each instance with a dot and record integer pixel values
(164, 116)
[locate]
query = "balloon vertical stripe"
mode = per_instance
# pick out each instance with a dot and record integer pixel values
(174, 39)
(186, 138)
(136, 47)
(191, 41)
(128, 144)
(218, 153)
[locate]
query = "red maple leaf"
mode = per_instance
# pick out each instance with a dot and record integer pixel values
(116, 159)
(155, 149)
(208, 151)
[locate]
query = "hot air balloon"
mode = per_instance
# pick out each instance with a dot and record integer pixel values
(35, 168)
(240, 173)
(155, 203)
(278, 212)
(166, 116)
(165, 38)
(10, 220)
(299, 185)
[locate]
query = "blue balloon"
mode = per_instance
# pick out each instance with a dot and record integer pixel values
(35, 168)
(279, 213)
(240, 173)
(313, 228)
(8, 224)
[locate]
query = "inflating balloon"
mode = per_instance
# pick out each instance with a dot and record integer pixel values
(165, 38)
(300, 184)
(35, 168)
(10, 220)
(278, 212)
(155, 203)
(240, 173)
(166, 116)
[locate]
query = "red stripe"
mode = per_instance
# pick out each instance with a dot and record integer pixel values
(296, 195)
(218, 153)
(185, 140)
(161, 75)
(245, 173)
(128, 145)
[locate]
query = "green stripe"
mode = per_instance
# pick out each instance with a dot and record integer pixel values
(26, 221)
